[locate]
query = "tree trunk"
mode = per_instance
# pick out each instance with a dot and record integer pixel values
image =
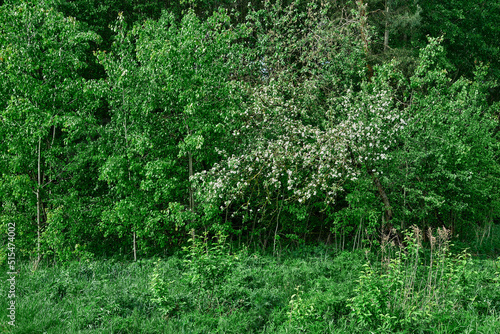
(191, 198)
(38, 199)
(364, 36)
(362, 26)
(125, 127)
(135, 248)
(383, 195)
(386, 32)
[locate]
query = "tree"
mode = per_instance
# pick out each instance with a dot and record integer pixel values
(312, 123)
(470, 31)
(447, 170)
(42, 105)
(169, 93)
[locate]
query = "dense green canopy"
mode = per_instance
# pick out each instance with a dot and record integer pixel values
(124, 125)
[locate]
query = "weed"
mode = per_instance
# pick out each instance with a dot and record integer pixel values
(404, 292)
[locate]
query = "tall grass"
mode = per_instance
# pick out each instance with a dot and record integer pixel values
(210, 288)
(413, 288)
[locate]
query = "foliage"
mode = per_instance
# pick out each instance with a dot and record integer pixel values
(167, 101)
(300, 137)
(208, 263)
(447, 145)
(259, 295)
(43, 106)
(406, 293)
(469, 30)
(206, 267)
(132, 128)
(126, 124)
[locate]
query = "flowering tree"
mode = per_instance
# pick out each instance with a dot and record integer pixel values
(299, 140)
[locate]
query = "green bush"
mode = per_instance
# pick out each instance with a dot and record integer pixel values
(409, 290)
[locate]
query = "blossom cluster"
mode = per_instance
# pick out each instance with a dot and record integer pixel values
(280, 156)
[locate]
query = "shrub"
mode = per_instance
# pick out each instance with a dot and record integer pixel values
(404, 291)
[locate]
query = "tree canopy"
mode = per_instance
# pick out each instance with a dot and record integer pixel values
(127, 124)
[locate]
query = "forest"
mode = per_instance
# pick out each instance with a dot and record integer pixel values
(259, 166)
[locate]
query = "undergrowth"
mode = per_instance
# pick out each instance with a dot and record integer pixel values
(418, 286)
(414, 288)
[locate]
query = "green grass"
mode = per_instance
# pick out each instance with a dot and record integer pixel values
(210, 290)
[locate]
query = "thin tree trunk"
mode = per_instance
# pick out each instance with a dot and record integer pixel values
(403, 221)
(386, 32)
(38, 199)
(383, 195)
(364, 36)
(191, 198)
(277, 222)
(135, 249)
(125, 128)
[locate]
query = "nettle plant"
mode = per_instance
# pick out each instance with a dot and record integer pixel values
(410, 288)
(208, 260)
(208, 263)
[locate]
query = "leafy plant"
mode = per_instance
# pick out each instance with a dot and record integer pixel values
(301, 313)
(162, 294)
(208, 263)
(403, 292)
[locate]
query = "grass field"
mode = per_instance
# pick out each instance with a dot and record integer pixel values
(209, 289)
